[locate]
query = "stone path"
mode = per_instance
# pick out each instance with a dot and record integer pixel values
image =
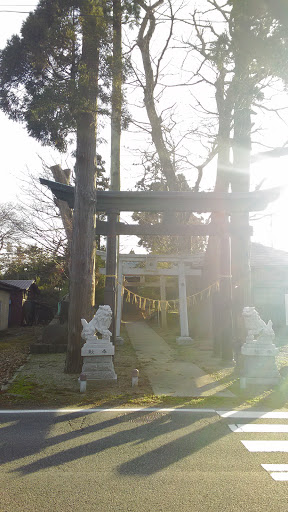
(167, 375)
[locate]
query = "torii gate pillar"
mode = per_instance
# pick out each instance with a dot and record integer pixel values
(184, 337)
(163, 302)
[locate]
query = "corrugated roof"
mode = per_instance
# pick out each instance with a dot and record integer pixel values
(267, 256)
(7, 287)
(22, 284)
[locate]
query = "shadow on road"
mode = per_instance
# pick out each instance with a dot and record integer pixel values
(176, 436)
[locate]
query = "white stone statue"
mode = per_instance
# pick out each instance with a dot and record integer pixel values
(257, 329)
(100, 323)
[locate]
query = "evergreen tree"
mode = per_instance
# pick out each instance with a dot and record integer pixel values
(42, 73)
(55, 78)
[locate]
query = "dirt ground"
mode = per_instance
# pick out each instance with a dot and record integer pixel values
(39, 379)
(14, 349)
(42, 379)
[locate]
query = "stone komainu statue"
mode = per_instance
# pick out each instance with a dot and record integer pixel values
(256, 327)
(100, 323)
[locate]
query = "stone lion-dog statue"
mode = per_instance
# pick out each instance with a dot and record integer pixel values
(100, 323)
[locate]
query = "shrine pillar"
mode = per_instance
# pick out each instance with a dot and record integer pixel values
(184, 337)
(119, 302)
(225, 292)
(163, 302)
(111, 268)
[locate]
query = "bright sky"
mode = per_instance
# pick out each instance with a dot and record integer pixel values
(20, 153)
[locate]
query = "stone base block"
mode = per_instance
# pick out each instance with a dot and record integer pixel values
(184, 340)
(98, 349)
(259, 349)
(101, 376)
(99, 368)
(259, 370)
(258, 381)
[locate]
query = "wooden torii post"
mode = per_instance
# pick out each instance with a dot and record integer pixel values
(197, 202)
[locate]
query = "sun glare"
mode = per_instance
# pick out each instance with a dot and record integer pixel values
(270, 226)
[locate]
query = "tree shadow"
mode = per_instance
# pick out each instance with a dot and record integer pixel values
(140, 428)
(29, 435)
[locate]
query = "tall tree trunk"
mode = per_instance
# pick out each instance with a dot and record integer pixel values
(83, 251)
(112, 246)
(240, 180)
(146, 32)
(218, 265)
(116, 95)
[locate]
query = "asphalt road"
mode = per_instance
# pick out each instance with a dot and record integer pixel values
(131, 461)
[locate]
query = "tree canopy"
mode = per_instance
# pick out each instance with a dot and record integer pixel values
(41, 71)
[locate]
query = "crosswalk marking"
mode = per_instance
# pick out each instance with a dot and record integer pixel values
(266, 446)
(275, 467)
(278, 472)
(254, 414)
(258, 427)
(280, 477)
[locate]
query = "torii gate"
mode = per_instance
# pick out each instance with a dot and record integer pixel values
(180, 268)
(226, 204)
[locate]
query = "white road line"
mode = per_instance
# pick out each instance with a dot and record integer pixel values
(275, 467)
(235, 428)
(254, 414)
(280, 477)
(279, 472)
(222, 414)
(123, 409)
(266, 446)
(257, 427)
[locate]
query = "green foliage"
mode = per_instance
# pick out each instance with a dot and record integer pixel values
(23, 387)
(32, 262)
(256, 34)
(131, 10)
(42, 75)
(40, 70)
(266, 41)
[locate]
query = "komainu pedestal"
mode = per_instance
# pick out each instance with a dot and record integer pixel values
(258, 352)
(98, 353)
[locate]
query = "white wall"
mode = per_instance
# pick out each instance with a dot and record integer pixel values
(4, 309)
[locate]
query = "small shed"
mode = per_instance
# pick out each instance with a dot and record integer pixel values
(22, 292)
(5, 293)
